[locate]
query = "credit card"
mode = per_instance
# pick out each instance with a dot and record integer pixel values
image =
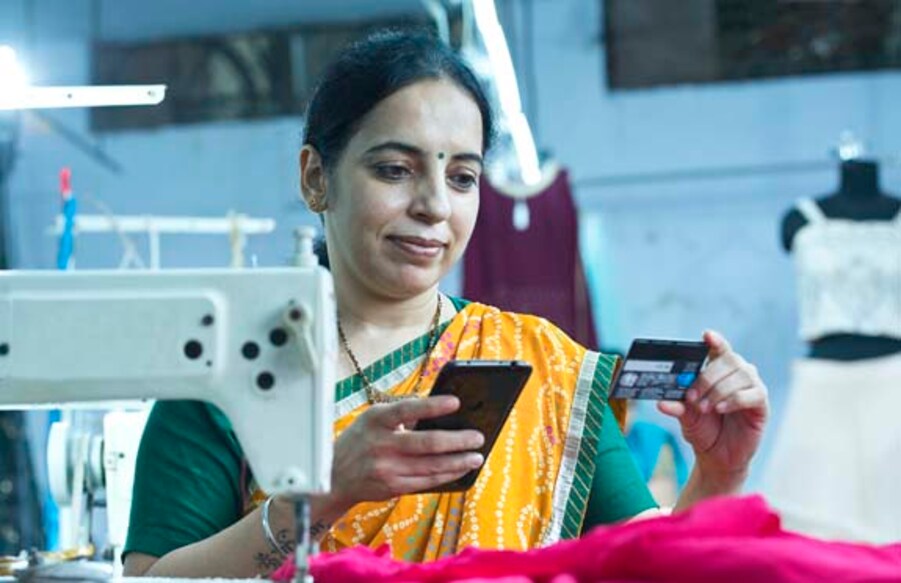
(660, 370)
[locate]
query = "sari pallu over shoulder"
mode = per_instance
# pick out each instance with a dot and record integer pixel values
(533, 489)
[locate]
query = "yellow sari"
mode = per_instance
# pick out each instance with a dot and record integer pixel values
(533, 489)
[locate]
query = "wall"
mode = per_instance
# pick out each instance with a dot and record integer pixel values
(690, 254)
(205, 169)
(680, 256)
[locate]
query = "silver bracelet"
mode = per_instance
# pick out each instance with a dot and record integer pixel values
(267, 531)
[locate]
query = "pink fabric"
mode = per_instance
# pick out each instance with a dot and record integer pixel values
(727, 539)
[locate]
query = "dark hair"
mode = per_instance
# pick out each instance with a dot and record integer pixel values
(321, 250)
(374, 68)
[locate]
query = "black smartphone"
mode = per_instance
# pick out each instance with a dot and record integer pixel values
(659, 369)
(487, 390)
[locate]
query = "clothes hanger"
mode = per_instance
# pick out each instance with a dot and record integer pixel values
(521, 192)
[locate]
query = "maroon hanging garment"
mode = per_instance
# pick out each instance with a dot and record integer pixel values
(534, 271)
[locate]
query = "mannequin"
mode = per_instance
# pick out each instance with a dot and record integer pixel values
(859, 198)
(834, 470)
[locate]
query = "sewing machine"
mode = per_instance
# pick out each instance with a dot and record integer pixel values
(259, 344)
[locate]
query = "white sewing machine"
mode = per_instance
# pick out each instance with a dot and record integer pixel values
(260, 344)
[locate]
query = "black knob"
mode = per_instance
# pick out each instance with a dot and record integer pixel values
(265, 380)
(250, 350)
(193, 349)
(278, 337)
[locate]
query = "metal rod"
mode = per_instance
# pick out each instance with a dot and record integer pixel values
(153, 236)
(167, 224)
(305, 546)
(708, 173)
(722, 172)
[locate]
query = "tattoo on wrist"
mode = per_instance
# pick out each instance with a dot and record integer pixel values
(268, 562)
(319, 529)
(285, 540)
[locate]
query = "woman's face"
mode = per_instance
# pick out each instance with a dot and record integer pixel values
(403, 197)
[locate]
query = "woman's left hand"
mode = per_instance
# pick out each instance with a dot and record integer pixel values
(723, 415)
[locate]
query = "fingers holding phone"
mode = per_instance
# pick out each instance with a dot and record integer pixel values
(377, 457)
(487, 391)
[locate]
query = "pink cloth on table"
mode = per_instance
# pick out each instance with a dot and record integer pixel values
(726, 539)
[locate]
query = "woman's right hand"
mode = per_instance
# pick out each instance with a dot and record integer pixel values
(377, 457)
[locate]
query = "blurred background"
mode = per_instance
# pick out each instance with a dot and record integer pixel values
(688, 130)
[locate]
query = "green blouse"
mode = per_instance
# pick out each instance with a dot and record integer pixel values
(191, 480)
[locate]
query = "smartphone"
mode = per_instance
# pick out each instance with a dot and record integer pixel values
(661, 370)
(487, 390)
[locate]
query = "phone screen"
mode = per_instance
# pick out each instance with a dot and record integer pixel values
(487, 390)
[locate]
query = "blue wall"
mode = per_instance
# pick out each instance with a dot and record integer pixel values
(687, 255)
(679, 256)
(205, 169)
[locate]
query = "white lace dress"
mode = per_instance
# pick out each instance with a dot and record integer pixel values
(835, 471)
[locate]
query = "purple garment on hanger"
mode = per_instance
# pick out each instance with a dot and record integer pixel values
(536, 271)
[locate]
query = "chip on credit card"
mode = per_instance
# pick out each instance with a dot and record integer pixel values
(660, 370)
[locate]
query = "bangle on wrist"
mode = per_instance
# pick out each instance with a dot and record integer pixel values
(267, 529)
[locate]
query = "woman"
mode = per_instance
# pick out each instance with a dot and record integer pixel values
(393, 150)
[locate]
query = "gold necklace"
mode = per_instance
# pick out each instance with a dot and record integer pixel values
(374, 395)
